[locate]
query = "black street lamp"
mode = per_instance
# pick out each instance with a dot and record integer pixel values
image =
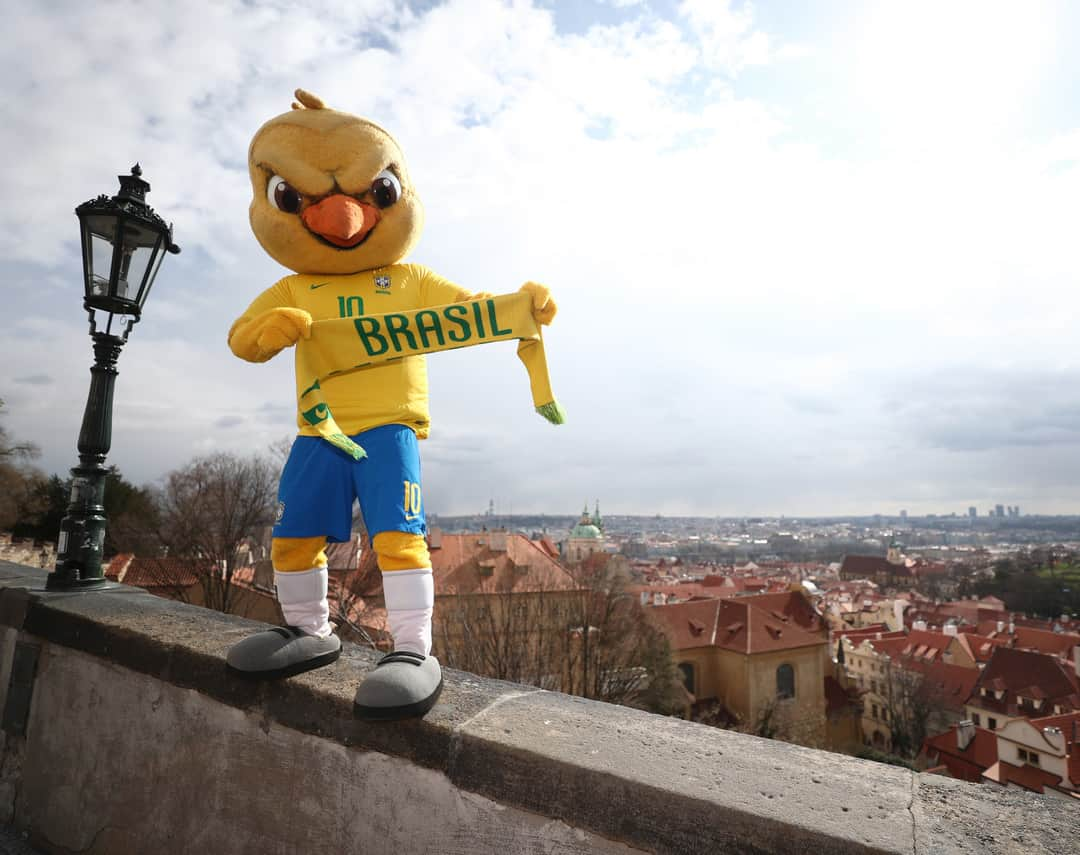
(123, 243)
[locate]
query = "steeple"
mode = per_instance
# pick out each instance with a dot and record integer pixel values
(596, 517)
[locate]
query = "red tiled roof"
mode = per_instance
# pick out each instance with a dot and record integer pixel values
(970, 763)
(1046, 641)
(1027, 777)
(489, 562)
(870, 565)
(748, 625)
(1020, 672)
(166, 572)
(982, 646)
(874, 634)
(949, 685)
(682, 591)
(118, 565)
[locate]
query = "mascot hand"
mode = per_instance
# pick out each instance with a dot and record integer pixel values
(479, 295)
(544, 307)
(259, 338)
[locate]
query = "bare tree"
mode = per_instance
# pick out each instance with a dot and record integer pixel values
(209, 508)
(506, 634)
(20, 485)
(349, 592)
(608, 638)
(590, 639)
(915, 707)
(11, 450)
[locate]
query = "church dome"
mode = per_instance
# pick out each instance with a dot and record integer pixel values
(585, 530)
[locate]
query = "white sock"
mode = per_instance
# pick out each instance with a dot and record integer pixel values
(410, 601)
(302, 595)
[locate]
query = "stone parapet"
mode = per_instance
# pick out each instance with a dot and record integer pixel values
(128, 734)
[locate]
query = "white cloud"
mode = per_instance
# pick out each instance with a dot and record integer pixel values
(731, 294)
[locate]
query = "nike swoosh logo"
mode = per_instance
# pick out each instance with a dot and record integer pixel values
(411, 517)
(319, 285)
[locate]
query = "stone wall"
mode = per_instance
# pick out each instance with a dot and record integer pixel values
(122, 731)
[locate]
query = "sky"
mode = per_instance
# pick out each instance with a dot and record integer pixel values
(810, 259)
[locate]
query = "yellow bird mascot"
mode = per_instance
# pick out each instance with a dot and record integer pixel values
(333, 201)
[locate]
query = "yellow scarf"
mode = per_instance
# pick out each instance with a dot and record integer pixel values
(339, 345)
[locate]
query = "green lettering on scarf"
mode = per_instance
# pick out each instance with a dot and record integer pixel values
(495, 321)
(479, 320)
(368, 328)
(396, 324)
(331, 350)
(458, 309)
(427, 321)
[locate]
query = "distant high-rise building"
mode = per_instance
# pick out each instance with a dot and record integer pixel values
(903, 515)
(999, 510)
(973, 512)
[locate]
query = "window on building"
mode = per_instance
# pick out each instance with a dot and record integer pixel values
(687, 671)
(991, 723)
(976, 719)
(873, 713)
(1022, 754)
(873, 686)
(785, 681)
(1033, 758)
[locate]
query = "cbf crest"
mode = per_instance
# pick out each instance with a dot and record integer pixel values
(382, 282)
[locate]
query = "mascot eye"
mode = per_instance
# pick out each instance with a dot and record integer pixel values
(283, 196)
(386, 189)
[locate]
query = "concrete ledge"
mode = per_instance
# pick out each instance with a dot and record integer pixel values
(499, 767)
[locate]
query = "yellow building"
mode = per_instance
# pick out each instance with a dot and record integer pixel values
(923, 676)
(759, 660)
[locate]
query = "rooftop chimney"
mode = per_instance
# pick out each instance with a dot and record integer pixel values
(919, 626)
(1001, 626)
(949, 629)
(1012, 627)
(965, 732)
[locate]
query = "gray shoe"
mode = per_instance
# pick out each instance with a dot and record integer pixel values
(282, 652)
(403, 685)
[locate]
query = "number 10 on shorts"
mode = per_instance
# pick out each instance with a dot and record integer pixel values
(412, 500)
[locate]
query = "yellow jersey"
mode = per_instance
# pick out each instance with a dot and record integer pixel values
(390, 393)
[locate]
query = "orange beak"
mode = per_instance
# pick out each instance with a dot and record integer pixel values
(341, 220)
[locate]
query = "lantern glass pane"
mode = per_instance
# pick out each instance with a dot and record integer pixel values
(158, 253)
(136, 254)
(101, 255)
(99, 231)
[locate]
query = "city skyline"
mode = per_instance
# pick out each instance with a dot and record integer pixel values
(807, 262)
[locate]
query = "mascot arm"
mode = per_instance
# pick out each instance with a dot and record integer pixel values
(437, 291)
(268, 327)
(544, 307)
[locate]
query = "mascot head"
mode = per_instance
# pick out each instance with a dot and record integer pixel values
(331, 191)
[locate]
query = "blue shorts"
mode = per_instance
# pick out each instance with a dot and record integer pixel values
(320, 482)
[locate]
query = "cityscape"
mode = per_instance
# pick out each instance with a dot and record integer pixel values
(947, 643)
(540, 426)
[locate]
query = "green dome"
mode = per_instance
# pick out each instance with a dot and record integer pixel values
(585, 530)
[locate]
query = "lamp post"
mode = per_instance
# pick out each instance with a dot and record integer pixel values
(123, 244)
